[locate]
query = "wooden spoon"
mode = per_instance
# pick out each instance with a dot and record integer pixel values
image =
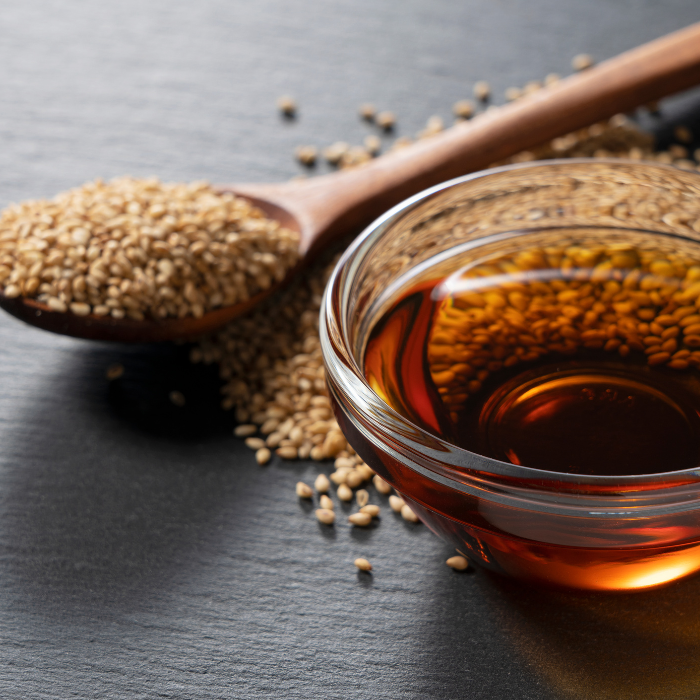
(325, 208)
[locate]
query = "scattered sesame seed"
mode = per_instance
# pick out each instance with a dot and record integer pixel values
(114, 371)
(678, 151)
(401, 142)
(304, 490)
(532, 86)
(344, 463)
(396, 503)
(581, 61)
(386, 120)
(408, 514)
(263, 455)
(322, 484)
(245, 430)
(433, 126)
(362, 497)
(373, 144)
(552, 79)
(287, 452)
(482, 90)
(382, 486)
(287, 105)
(325, 502)
(325, 516)
(513, 93)
(334, 153)
(360, 519)
(354, 478)
(306, 155)
(464, 109)
(458, 563)
(363, 564)
(255, 443)
(177, 398)
(339, 476)
(367, 111)
(370, 509)
(344, 492)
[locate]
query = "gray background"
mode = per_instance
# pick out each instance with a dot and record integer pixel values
(143, 553)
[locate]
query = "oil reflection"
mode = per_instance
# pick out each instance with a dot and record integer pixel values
(605, 646)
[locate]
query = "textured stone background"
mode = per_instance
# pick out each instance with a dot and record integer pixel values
(143, 553)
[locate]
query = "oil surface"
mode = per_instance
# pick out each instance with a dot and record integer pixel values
(554, 369)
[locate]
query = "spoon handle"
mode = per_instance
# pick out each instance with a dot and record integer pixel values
(333, 205)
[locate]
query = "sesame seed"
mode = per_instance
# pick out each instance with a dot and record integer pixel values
(396, 503)
(304, 490)
(683, 134)
(245, 430)
(362, 497)
(370, 509)
(386, 120)
(354, 478)
(372, 144)
(287, 105)
(360, 519)
(114, 371)
(367, 111)
(306, 155)
(334, 153)
(408, 514)
(581, 62)
(177, 398)
(326, 502)
(482, 90)
(322, 484)
(287, 452)
(325, 516)
(363, 564)
(464, 109)
(382, 486)
(513, 93)
(263, 455)
(344, 492)
(458, 563)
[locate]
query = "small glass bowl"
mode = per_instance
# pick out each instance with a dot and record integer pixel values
(584, 532)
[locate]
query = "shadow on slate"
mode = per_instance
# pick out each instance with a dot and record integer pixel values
(619, 646)
(122, 492)
(141, 396)
(683, 110)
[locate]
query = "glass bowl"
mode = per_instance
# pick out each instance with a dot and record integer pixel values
(578, 531)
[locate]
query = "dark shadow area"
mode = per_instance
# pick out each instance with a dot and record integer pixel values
(681, 110)
(606, 646)
(110, 491)
(141, 397)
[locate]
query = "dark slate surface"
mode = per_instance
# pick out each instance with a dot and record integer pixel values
(143, 553)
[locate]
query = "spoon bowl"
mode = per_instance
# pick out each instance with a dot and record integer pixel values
(326, 208)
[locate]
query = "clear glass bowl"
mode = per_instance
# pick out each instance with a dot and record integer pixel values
(586, 532)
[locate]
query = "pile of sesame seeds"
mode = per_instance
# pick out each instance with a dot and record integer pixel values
(140, 248)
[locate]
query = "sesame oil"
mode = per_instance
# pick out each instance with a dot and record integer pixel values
(588, 411)
(585, 369)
